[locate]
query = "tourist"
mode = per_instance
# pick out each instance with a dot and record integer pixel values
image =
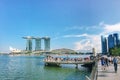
(110, 59)
(106, 61)
(115, 61)
(103, 63)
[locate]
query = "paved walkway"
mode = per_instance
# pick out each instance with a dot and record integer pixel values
(109, 73)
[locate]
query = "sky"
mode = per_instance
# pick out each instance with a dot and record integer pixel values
(73, 24)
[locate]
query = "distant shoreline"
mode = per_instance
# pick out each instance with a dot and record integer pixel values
(20, 54)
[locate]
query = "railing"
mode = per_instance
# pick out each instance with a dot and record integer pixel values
(93, 75)
(68, 61)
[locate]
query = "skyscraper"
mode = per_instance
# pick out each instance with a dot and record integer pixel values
(47, 43)
(37, 44)
(116, 40)
(111, 41)
(28, 43)
(104, 45)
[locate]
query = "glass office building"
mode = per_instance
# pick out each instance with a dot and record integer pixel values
(104, 45)
(116, 39)
(110, 42)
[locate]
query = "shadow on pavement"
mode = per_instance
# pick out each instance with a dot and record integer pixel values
(102, 75)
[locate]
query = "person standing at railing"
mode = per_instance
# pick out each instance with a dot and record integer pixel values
(115, 62)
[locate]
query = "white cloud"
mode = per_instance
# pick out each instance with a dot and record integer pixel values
(87, 28)
(112, 28)
(83, 45)
(74, 28)
(95, 40)
(79, 35)
(109, 29)
(92, 41)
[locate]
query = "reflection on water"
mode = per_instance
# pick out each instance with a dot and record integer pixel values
(32, 68)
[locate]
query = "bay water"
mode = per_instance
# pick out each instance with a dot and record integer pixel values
(32, 68)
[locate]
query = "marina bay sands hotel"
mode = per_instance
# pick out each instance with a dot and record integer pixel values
(37, 43)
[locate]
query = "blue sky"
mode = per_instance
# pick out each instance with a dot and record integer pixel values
(74, 24)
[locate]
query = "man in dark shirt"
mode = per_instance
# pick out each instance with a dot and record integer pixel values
(115, 61)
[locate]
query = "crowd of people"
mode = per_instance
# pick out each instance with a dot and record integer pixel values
(59, 59)
(106, 61)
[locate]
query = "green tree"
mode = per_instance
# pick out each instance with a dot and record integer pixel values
(115, 51)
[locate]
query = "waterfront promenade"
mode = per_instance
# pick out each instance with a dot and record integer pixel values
(109, 73)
